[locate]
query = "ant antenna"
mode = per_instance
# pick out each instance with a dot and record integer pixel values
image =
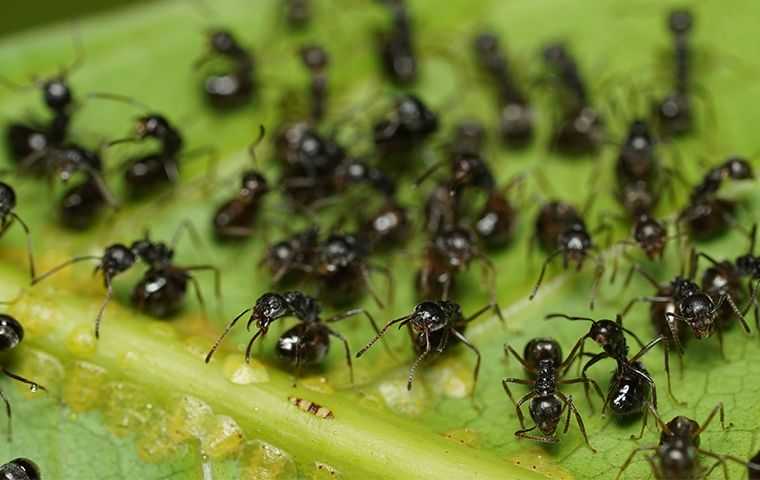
(63, 265)
(255, 144)
(224, 334)
(382, 331)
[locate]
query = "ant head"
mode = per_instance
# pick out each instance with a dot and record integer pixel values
(222, 41)
(546, 411)
(339, 251)
(11, 332)
(516, 122)
(556, 54)
(739, 168)
(639, 135)
(254, 183)
(681, 426)
(698, 310)
(541, 349)
(117, 258)
(314, 57)
(456, 244)
(469, 136)
(675, 112)
(575, 240)
(7, 199)
(606, 333)
(486, 43)
(430, 316)
(57, 94)
(680, 21)
(415, 116)
(470, 168)
(269, 307)
(20, 468)
(650, 234)
(153, 125)
(747, 265)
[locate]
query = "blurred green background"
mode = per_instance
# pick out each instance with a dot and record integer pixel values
(17, 15)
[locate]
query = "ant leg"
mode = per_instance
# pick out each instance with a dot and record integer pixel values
(508, 349)
(33, 386)
(490, 271)
(571, 406)
(388, 278)
(480, 312)
(199, 295)
(650, 299)
(472, 347)
(628, 460)
(619, 321)
(525, 398)
(348, 351)
(576, 352)
(249, 347)
(186, 226)
(538, 438)
(719, 334)
(417, 361)
(377, 337)
(548, 260)
(735, 309)
(224, 334)
(28, 244)
(643, 424)
(586, 381)
(9, 414)
(103, 305)
(717, 409)
(598, 274)
(670, 320)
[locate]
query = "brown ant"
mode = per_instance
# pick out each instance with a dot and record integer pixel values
(20, 469)
(560, 229)
(581, 128)
(305, 344)
(8, 216)
(231, 89)
(11, 334)
(708, 215)
(547, 403)
(677, 454)
(316, 60)
(434, 326)
(516, 119)
(396, 47)
(674, 112)
(405, 126)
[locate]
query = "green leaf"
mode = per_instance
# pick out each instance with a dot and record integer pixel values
(140, 402)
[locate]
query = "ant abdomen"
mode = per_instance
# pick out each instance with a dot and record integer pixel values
(304, 344)
(20, 469)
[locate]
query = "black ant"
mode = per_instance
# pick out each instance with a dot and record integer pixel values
(560, 229)
(638, 171)
(292, 257)
(231, 89)
(547, 403)
(450, 252)
(516, 119)
(386, 227)
(341, 265)
(496, 221)
(316, 60)
(396, 47)
(631, 384)
(305, 344)
(674, 112)
(708, 215)
(20, 469)
(582, 128)
(234, 218)
(8, 216)
(442, 207)
(754, 467)
(691, 306)
(434, 326)
(11, 334)
(405, 126)
(677, 454)
(297, 13)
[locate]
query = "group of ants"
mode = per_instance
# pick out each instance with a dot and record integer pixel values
(316, 169)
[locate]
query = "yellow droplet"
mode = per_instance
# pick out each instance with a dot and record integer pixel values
(154, 444)
(190, 419)
(81, 341)
(323, 471)
(464, 436)
(127, 408)
(262, 461)
(39, 367)
(317, 384)
(450, 376)
(401, 400)
(37, 313)
(224, 438)
(237, 371)
(83, 386)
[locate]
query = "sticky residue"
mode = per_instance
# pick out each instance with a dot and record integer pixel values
(154, 444)
(317, 384)
(262, 461)
(127, 408)
(237, 371)
(536, 460)
(81, 341)
(464, 436)
(191, 419)
(450, 376)
(38, 313)
(401, 400)
(39, 367)
(224, 438)
(83, 386)
(323, 471)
